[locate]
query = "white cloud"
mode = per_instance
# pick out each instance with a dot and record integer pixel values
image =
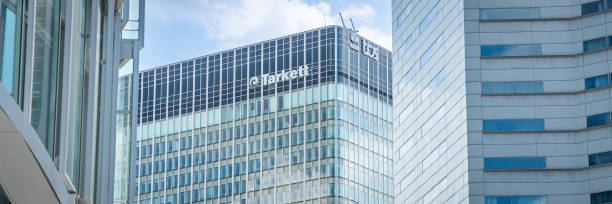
(235, 23)
(383, 39)
(362, 11)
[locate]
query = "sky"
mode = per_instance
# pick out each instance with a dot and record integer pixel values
(185, 29)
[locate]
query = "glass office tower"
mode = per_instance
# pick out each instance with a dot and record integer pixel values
(302, 118)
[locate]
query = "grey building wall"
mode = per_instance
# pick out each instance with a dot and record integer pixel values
(534, 116)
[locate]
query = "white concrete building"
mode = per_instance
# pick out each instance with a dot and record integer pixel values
(502, 101)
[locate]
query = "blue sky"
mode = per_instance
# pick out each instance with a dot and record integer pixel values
(180, 30)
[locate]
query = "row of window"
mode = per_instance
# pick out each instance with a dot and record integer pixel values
(510, 50)
(596, 6)
(536, 49)
(296, 157)
(601, 198)
(515, 87)
(184, 197)
(598, 119)
(530, 87)
(534, 13)
(512, 125)
(517, 125)
(297, 194)
(514, 163)
(600, 158)
(515, 200)
(598, 81)
(525, 163)
(509, 13)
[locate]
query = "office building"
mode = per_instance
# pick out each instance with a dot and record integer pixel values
(59, 74)
(304, 118)
(502, 101)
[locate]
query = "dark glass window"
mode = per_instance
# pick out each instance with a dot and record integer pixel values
(601, 198)
(592, 7)
(596, 82)
(510, 50)
(514, 163)
(513, 125)
(600, 158)
(515, 200)
(597, 120)
(594, 44)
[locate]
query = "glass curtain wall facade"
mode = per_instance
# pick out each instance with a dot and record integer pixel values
(58, 58)
(502, 101)
(132, 39)
(302, 118)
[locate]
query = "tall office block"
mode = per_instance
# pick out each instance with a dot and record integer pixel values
(502, 101)
(59, 73)
(302, 118)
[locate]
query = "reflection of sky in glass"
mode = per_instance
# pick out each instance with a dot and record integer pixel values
(505, 14)
(514, 163)
(510, 50)
(404, 14)
(512, 125)
(431, 16)
(516, 200)
(402, 50)
(8, 51)
(512, 87)
(431, 50)
(433, 84)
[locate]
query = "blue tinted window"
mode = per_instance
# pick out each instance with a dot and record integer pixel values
(512, 87)
(431, 16)
(403, 15)
(597, 120)
(513, 125)
(510, 50)
(515, 200)
(405, 46)
(601, 198)
(514, 163)
(431, 50)
(512, 13)
(594, 44)
(592, 7)
(433, 84)
(600, 158)
(595, 82)
(8, 50)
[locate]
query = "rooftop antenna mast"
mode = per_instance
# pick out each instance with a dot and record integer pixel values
(354, 30)
(324, 19)
(342, 19)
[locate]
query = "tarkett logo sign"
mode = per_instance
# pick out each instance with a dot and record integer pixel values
(269, 79)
